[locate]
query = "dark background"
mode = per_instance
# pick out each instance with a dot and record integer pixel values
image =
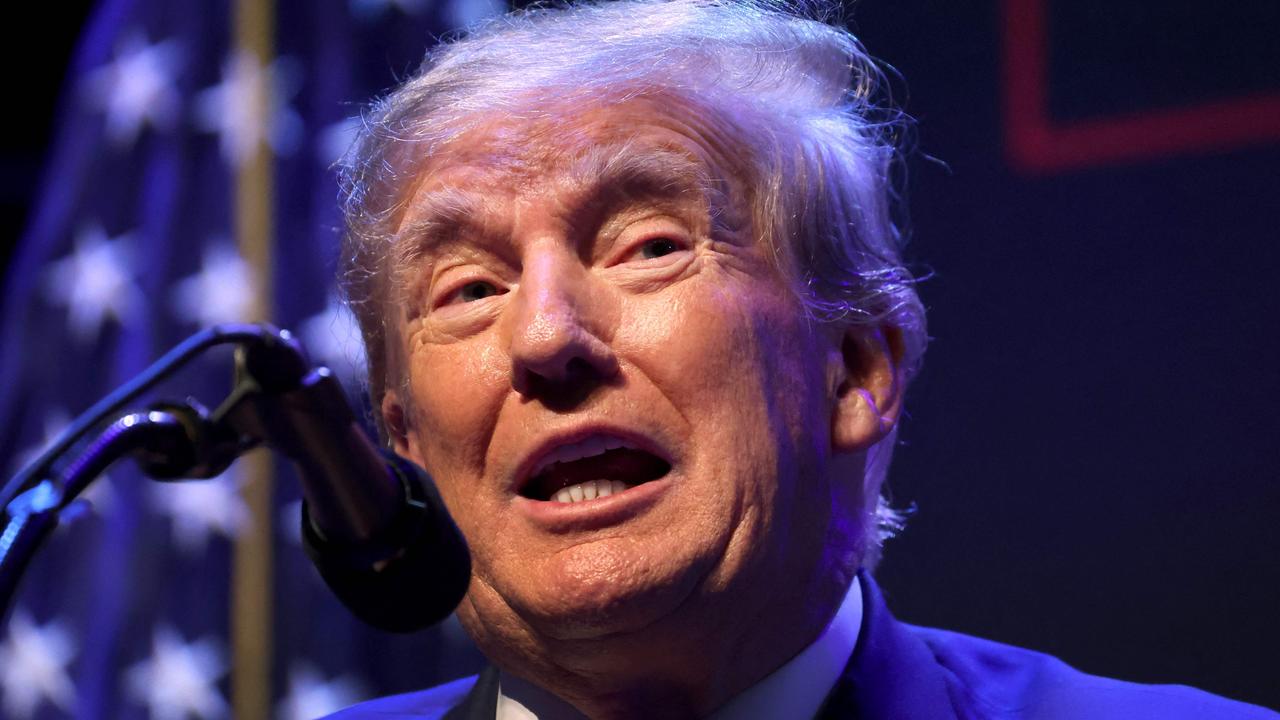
(1092, 446)
(1093, 441)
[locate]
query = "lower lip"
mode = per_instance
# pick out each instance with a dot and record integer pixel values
(594, 514)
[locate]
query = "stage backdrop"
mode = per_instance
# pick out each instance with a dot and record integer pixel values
(136, 240)
(1091, 448)
(1092, 445)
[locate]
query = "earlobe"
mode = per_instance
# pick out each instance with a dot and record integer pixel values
(396, 418)
(868, 398)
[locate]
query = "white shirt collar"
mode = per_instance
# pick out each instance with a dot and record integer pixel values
(796, 689)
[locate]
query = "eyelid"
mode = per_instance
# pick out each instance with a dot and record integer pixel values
(464, 262)
(437, 300)
(662, 228)
(680, 243)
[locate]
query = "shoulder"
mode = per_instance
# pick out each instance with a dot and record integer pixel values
(1002, 681)
(425, 704)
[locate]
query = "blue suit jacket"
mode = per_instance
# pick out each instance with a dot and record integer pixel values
(902, 672)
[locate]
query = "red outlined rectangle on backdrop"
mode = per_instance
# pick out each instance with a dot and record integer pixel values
(1035, 144)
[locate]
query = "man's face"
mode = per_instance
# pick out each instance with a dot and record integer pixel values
(582, 316)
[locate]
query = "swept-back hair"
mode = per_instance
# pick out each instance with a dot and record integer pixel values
(800, 95)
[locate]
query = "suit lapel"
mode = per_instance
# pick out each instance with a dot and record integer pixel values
(482, 702)
(891, 675)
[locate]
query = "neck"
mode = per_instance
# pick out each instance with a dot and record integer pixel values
(686, 670)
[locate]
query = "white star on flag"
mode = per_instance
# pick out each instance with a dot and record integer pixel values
(373, 9)
(311, 697)
(335, 140)
(94, 282)
(200, 507)
(222, 291)
(250, 106)
(333, 338)
(33, 667)
(136, 88)
(179, 678)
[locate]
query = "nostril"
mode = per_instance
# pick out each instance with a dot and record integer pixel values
(569, 364)
(565, 390)
(579, 370)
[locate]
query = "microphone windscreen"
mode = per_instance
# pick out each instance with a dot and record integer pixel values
(414, 588)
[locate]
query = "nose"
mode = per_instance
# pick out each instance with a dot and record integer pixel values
(558, 353)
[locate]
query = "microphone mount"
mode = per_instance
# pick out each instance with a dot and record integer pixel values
(373, 523)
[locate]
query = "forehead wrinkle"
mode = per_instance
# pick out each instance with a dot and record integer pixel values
(608, 177)
(578, 172)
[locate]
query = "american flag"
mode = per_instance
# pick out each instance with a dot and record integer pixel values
(134, 244)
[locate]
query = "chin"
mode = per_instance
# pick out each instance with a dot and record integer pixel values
(601, 589)
(604, 588)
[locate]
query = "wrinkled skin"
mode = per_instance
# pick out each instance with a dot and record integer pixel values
(550, 295)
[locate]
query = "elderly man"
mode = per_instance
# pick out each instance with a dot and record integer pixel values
(632, 295)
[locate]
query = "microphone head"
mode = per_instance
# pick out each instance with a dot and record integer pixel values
(415, 587)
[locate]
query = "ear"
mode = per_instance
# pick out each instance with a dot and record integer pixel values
(869, 387)
(398, 420)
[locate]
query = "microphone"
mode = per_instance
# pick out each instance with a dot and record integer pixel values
(409, 574)
(373, 523)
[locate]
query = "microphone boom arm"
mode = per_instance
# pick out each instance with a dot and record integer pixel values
(373, 523)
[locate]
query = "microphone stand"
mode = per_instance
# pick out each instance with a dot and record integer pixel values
(169, 441)
(386, 538)
(157, 434)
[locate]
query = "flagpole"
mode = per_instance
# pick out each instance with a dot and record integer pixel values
(252, 578)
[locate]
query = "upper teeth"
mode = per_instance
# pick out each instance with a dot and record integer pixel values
(592, 446)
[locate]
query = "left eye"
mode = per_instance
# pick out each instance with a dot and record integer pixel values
(658, 247)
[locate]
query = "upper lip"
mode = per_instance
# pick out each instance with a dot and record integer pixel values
(543, 452)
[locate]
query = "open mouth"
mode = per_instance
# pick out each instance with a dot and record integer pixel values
(593, 469)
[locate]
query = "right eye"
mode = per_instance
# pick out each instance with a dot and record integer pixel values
(471, 292)
(478, 290)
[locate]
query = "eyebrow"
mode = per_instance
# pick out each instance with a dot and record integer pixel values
(613, 172)
(622, 174)
(439, 217)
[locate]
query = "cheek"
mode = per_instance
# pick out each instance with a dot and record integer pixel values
(457, 391)
(692, 345)
(734, 356)
(740, 346)
(455, 386)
